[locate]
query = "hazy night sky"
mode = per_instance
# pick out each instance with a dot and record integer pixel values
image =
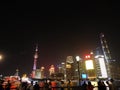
(58, 29)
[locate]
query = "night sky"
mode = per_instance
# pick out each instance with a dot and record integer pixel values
(60, 29)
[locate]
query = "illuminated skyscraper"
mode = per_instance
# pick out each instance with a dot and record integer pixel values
(105, 48)
(70, 67)
(106, 53)
(35, 62)
(52, 69)
(101, 69)
(37, 73)
(35, 58)
(90, 66)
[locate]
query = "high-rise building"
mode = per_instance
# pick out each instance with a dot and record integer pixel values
(37, 73)
(52, 70)
(105, 66)
(35, 58)
(90, 66)
(106, 53)
(101, 69)
(35, 62)
(70, 67)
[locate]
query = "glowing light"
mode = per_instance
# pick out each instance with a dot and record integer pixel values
(25, 78)
(68, 66)
(62, 63)
(103, 68)
(87, 56)
(77, 58)
(1, 57)
(84, 76)
(42, 68)
(89, 64)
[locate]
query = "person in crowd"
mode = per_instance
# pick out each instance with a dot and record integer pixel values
(30, 86)
(90, 86)
(62, 85)
(84, 86)
(111, 85)
(8, 85)
(1, 86)
(101, 85)
(36, 86)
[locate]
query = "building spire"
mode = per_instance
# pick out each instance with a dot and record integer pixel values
(35, 57)
(17, 72)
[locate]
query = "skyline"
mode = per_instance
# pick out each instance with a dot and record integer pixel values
(59, 30)
(53, 52)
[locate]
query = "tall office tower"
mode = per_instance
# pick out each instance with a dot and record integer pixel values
(70, 67)
(105, 48)
(52, 69)
(106, 53)
(42, 70)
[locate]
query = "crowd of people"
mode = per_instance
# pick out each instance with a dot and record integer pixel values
(61, 85)
(101, 85)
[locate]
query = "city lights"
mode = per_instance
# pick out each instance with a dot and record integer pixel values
(87, 56)
(78, 59)
(89, 64)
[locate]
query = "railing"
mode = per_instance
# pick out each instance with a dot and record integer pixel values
(62, 88)
(69, 88)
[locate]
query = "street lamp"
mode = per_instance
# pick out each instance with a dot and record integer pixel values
(64, 69)
(78, 60)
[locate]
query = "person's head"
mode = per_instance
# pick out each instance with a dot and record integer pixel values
(89, 83)
(36, 82)
(31, 82)
(107, 82)
(111, 80)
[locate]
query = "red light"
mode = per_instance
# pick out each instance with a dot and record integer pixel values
(87, 56)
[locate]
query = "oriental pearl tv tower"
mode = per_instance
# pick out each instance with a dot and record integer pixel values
(35, 61)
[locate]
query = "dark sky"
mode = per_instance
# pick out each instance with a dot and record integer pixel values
(59, 28)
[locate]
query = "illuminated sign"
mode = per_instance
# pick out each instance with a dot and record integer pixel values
(89, 64)
(68, 66)
(84, 76)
